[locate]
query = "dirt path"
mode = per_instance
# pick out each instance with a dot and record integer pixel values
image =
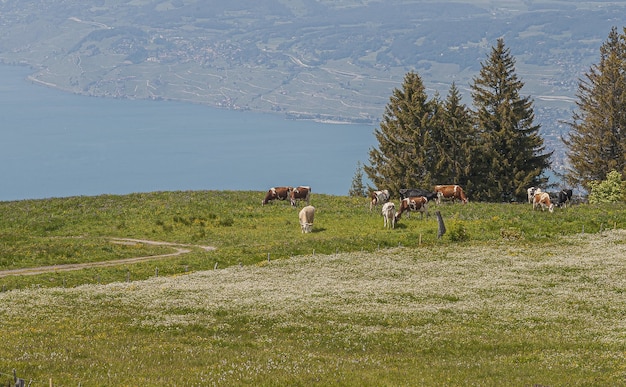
(179, 249)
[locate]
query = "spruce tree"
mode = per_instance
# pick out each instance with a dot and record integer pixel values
(510, 157)
(357, 189)
(454, 138)
(597, 140)
(404, 157)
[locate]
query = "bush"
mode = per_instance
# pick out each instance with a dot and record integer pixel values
(458, 232)
(607, 191)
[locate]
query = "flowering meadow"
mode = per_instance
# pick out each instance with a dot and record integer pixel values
(507, 296)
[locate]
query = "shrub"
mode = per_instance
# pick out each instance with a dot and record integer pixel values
(607, 191)
(458, 232)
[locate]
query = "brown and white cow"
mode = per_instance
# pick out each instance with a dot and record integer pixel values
(451, 191)
(306, 216)
(543, 199)
(389, 215)
(300, 193)
(276, 193)
(413, 203)
(378, 197)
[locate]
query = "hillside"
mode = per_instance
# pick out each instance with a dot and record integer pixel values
(323, 60)
(501, 314)
(213, 288)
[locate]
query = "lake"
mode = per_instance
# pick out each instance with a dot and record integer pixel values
(57, 144)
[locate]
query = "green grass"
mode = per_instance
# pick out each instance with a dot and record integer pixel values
(507, 297)
(79, 229)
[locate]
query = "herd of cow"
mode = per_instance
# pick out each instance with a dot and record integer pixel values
(411, 200)
(414, 199)
(542, 199)
(307, 214)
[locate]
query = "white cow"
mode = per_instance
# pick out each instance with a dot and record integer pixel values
(306, 216)
(531, 193)
(389, 215)
(378, 197)
(543, 199)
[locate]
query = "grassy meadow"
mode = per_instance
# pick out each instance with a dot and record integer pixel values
(508, 296)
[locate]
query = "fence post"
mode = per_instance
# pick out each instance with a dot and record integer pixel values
(18, 381)
(442, 227)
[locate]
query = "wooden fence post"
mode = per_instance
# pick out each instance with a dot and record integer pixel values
(442, 227)
(18, 381)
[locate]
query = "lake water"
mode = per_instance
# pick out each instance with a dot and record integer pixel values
(57, 144)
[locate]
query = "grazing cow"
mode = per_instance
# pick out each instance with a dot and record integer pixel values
(300, 193)
(565, 196)
(408, 192)
(280, 193)
(543, 199)
(306, 215)
(413, 203)
(378, 197)
(389, 214)
(531, 193)
(450, 192)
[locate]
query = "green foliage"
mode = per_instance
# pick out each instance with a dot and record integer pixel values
(511, 158)
(358, 189)
(494, 153)
(596, 143)
(404, 157)
(610, 190)
(457, 232)
(455, 141)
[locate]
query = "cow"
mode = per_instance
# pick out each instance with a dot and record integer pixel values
(276, 193)
(300, 193)
(450, 192)
(531, 193)
(565, 196)
(389, 215)
(413, 203)
(378, 197)
(408, 192)
(542, 199)
(306, 216)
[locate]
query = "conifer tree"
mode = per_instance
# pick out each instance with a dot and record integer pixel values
(454, 138)
(357, 189)
(597, 140)
(405, 154)
(510, 153)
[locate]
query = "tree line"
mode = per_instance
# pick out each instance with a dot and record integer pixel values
(494, 149)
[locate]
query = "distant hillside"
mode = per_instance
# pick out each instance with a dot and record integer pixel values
(324, 60)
